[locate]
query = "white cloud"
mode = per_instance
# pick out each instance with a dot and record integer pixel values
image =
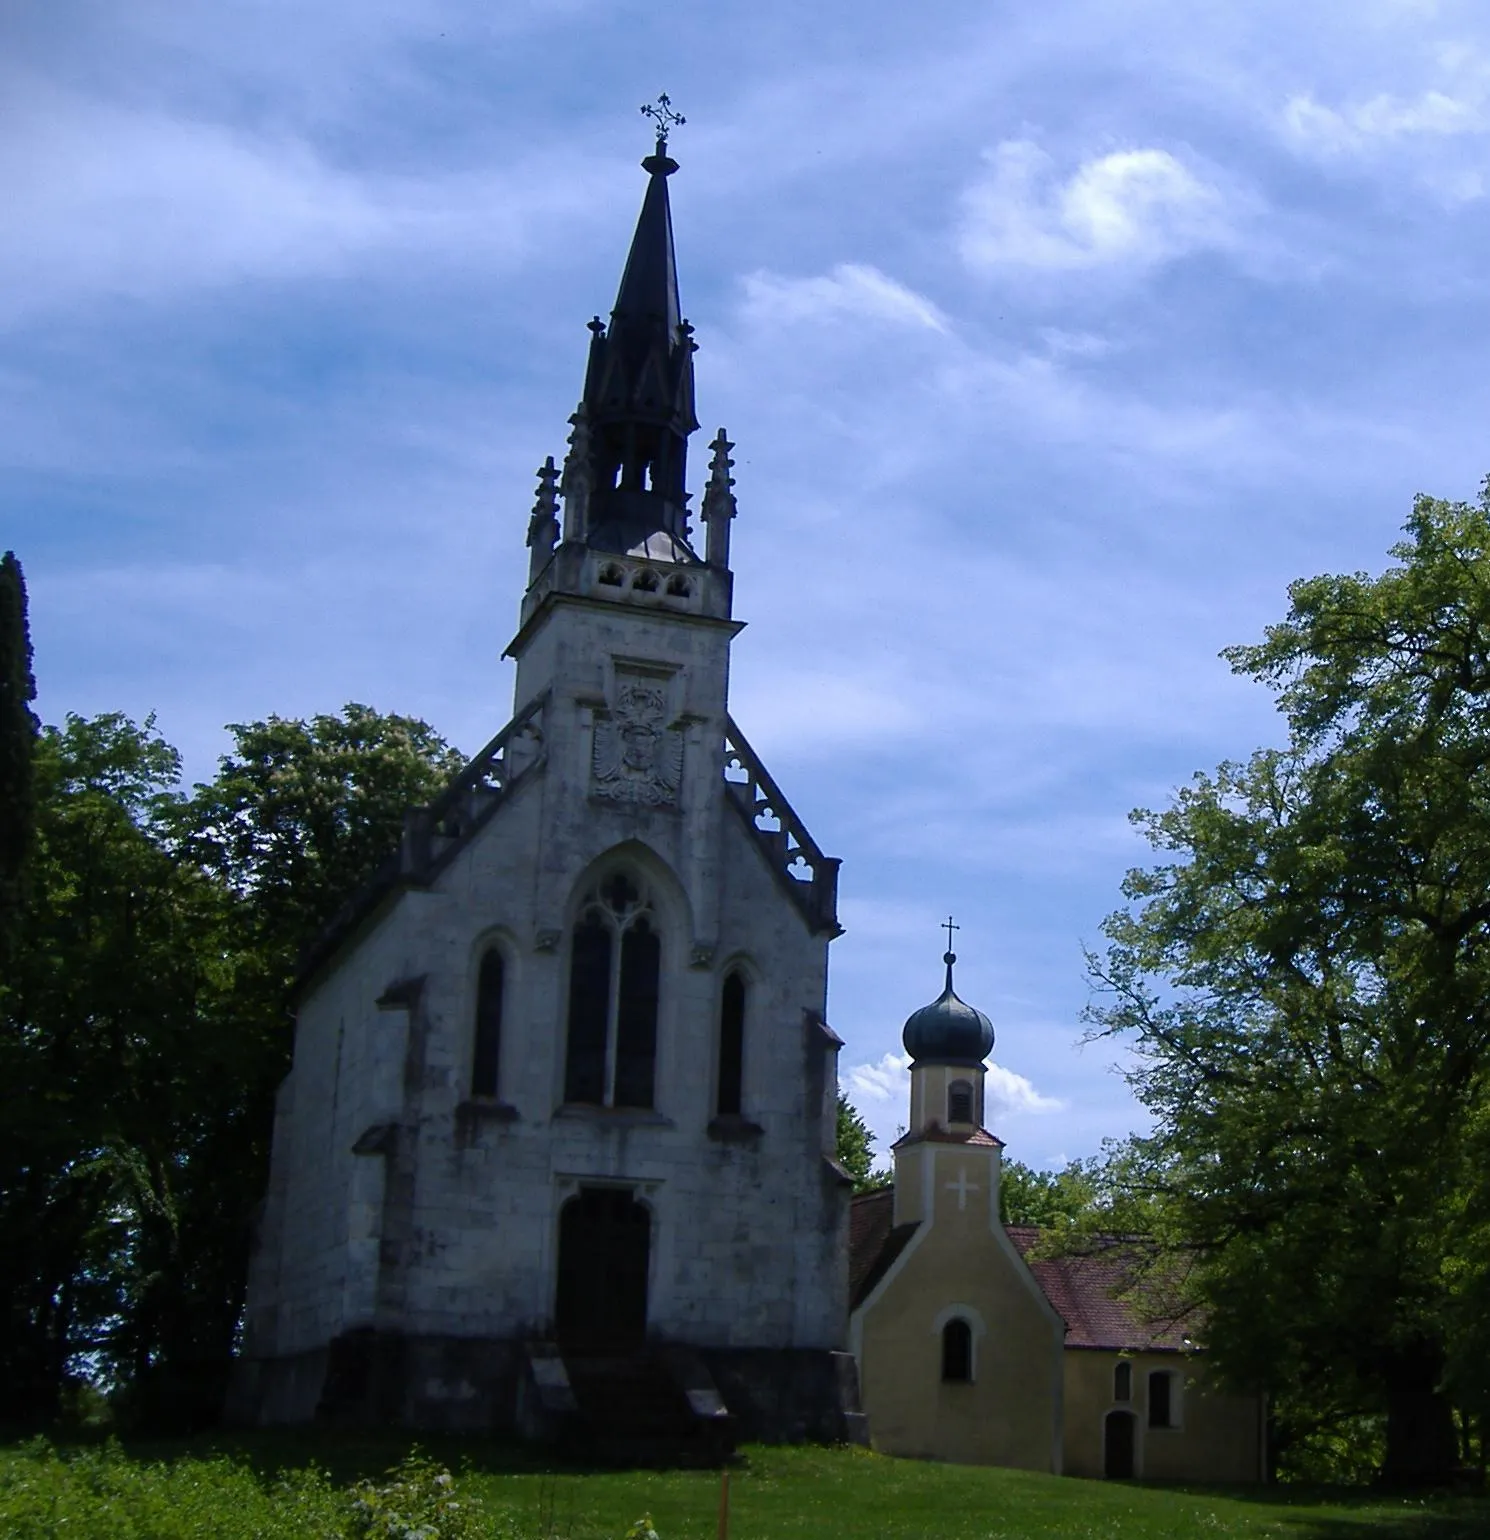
(1382, 118)
(889, 1081)
(1006, 1092)
(1128, 208)
(1060, 343)
(850, 290)
(111, 200)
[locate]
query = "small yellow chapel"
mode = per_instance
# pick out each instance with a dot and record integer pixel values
(972, 1347)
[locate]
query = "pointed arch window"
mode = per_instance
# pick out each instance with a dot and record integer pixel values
(615, 974)
(960, 1102)
(486, 1051)
(731, 1086)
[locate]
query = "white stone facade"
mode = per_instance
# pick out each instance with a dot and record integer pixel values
(400, 1203)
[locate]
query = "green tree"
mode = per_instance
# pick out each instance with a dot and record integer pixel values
(1307, 982)
(18, 729)
(100, 1038)
(145, 1032)
(302, 813)
(856, 1148)
(1050, 1199)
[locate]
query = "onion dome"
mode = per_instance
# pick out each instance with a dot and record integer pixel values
(948, 1031)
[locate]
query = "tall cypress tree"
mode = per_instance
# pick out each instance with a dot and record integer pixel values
(18, 729)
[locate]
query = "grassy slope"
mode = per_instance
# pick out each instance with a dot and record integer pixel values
(779, 1494)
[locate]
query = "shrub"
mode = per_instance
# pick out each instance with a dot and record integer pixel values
(417, 1501)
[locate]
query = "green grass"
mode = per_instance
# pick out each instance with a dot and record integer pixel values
(277, 1487)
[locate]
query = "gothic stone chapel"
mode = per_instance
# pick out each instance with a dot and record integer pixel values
(557, 1142)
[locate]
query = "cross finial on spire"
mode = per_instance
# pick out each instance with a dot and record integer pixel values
(665, 119)
(949, 956)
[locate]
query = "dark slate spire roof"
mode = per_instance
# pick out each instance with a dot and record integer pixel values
(948, 1031)
(638, 399)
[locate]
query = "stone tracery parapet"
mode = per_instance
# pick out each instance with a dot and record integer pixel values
(810, 876)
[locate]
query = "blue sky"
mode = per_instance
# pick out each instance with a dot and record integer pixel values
(1055, 341)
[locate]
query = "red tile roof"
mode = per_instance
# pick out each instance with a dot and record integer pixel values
(1084, 1290)
(935, 1134)
(1087, 1292)
(874, 1241)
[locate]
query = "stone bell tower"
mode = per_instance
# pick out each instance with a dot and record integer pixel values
(557, 1142)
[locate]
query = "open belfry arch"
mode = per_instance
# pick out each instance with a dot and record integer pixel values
(555, 1153)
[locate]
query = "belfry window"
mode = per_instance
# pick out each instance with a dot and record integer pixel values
(957, 1352)
(486, 1051)
(960, 1102)
(731, 1046)
(615, 970)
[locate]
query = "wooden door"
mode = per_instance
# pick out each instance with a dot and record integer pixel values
(604, 1250)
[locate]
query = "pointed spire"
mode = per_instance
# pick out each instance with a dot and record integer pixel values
(639, 384)
(719, 502)
(543, 525)
(649, 284)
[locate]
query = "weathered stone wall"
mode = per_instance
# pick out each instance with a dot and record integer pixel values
(399, 1203)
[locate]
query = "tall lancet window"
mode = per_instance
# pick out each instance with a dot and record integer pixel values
(486, 1054)
(729, 1100)
(615, 973)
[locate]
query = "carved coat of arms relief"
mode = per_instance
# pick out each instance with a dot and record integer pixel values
(637, 756)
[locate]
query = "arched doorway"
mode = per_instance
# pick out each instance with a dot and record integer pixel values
(1117, 1446)
(604, 1245)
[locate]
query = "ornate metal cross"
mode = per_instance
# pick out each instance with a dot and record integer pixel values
(664, 117)
(949, 927)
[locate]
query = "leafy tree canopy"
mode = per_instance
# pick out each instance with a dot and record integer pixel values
(1050, 1199)
(1306, 979)
(856, 1148)
(143, 1033)
(302, 813)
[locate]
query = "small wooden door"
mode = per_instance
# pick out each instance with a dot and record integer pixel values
(604, 1249)
(1117, 1446)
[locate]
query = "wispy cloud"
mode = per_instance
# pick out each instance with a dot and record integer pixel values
(109, 200)
(1433, 136)
(849, 291)
(1382, 118)
(1128, 208)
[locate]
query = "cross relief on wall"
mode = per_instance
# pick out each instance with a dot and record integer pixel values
(962, 1187)
(638, 753)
